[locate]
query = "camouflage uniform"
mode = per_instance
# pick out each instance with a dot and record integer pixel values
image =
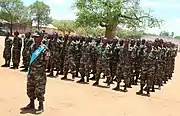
(16, 51)
(102, 65)
(36, 81)
(69, 60)
(7, 51)
(85, 61)
(148, 69)
(119, 70)
(25, 52)
(58, 55)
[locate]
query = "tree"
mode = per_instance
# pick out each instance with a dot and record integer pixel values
(111, 13)
(65, 25)
(11, 11)
(39, 13)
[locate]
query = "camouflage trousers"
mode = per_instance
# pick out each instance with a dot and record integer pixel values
(102, 67)
(16, 57)
(36, 84)
(69, 65)
(147, 76)
(119, 73)
(7, 54)
(85, 67)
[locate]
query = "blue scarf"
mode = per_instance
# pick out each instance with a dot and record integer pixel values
(35, 54)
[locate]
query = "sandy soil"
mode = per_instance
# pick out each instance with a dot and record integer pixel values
(67, 98)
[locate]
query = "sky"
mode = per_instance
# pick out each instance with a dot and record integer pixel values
(167, 10)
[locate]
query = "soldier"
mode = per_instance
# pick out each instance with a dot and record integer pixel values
(119, 70)
(69, 59)
(25, 53)
(36, 80)
(94, 56)
(85, 61)
(7, 51)
(52, 42)
(58, 52)
(102, 65)
(148, 69)
(77, 51)
(16, 51)
(137, 61)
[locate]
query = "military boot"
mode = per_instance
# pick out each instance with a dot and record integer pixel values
(65, 77)
(4, 65)
(30, 106)
(40, 108)
(81, 80)
(93, 78)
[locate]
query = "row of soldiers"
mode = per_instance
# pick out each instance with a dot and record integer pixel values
(126, 61)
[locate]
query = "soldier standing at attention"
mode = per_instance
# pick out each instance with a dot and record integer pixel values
(7, 51)
(16, 51)
(36, 77)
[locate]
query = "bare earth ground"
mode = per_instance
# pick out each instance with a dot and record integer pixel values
(66, 98)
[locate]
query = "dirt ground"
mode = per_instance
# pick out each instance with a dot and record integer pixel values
(67, 98)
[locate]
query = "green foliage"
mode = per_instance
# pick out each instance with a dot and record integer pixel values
(88, 31)
(65, 25)
(177, 37)
(126, 34)
(39, 12)
(111, 13)
(12, 10)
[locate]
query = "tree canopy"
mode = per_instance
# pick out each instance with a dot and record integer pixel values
(40, 13)
(12, 11)
(111, 13)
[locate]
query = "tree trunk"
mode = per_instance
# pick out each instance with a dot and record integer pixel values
(110, 32)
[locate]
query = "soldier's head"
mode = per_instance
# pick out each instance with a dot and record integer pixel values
(16, 33)
(121, 42)
(132, 42)
(143, 42)
(138, 42)
(105, 41)
(55, 35)
(38, 36)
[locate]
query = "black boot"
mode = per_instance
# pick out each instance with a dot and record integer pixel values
(64, 78)
(30, 106)
(40, 108)
(93, 78)
(81, 80)
(5, 65)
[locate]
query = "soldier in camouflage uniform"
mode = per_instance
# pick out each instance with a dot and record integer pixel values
(137, 61)
(94, 56)
(148, 68)
(25, 53)
(132, 55)
(16, 51)
(7, 51)
(52, 48)
(77, 57)
(69, 58)
(119, 70)
(85, 61)
(102, 65)
(58, 52)
(36, 80)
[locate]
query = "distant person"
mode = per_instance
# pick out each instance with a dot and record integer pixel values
(7, 50)
(16, 51)
(36, 77)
